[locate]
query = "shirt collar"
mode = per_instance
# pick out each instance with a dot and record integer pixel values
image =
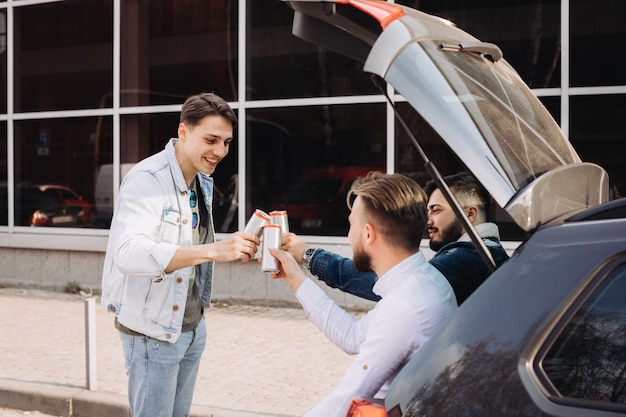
(398, 273)
(484, 230)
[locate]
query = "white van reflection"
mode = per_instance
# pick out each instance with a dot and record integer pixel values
(103, 195)
(225, 202)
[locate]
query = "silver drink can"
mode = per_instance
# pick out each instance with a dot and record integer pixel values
(256, 222)
(280, 217)
(271, 239)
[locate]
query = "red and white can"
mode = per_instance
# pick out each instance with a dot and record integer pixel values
(271, 239)
(280, 217)
(256, 222)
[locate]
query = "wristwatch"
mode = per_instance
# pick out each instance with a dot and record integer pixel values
(307, 256)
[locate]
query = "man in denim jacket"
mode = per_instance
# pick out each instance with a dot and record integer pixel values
(158, 266)
(456, 256)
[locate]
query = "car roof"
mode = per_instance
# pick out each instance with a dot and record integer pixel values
(470, 96)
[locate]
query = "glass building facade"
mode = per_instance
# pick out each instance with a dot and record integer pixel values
(90, 87)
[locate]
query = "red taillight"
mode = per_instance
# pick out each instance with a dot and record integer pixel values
(364, 408)
(38, 218)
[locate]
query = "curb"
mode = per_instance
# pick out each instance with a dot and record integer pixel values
(77, 402)
(60, 401)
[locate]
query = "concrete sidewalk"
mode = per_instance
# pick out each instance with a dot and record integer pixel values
(259, 361)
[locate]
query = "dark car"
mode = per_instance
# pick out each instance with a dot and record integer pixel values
(66, 195)
(34, 207)
(545, 335)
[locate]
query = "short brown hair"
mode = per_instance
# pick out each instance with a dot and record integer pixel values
(396, 203)
(197, 107)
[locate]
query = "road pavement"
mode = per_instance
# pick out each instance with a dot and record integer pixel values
(259, 360)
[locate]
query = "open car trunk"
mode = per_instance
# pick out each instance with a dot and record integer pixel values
(471, 97)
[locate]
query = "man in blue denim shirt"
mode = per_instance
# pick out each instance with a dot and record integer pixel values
(158, 267)
(456, 256)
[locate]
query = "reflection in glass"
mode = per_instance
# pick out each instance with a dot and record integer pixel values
(281, 65)
(597, 131)
(3, 61)
(57, 162)
(483, 382)
(63, 55)
(595, 27)
(303, 160)
(4, 202)
(143, 135)
(528, 33)
(171, 50)
(587, 360)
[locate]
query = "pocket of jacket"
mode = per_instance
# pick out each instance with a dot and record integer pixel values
(170, 226)
(160, 298)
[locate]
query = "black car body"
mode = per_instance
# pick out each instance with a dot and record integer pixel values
(546, 334)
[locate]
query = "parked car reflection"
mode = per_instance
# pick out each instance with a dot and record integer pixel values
(66, 195)
(34, 207)
(316, 202)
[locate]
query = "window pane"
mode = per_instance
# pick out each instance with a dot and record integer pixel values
(526, 32)
(171, 50)
(281, 65)
(303, 159)
(63, 55)
(51, 154)
(587, 360)
(3, 61)
(595, 28)
(4, 202)
(598, 129)
(146, 134)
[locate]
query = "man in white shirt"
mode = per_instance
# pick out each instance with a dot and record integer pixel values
(387, 221)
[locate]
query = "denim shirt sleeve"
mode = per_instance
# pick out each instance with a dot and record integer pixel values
(339, 272)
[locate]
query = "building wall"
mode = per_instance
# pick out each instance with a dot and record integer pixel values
(233, 282)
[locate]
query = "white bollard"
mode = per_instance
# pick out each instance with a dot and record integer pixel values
(90, 343)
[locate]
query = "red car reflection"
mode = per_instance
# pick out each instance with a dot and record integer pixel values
(316, 202)
(66, 195)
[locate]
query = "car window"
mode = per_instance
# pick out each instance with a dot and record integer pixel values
(68, 195)
(51, 193)
(588, 360)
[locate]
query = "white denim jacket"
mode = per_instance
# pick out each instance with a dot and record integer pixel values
(152, 219)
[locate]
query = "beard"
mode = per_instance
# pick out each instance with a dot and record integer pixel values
(362, 261)
(450, 234)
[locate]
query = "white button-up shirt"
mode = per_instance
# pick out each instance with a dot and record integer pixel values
(416, 300)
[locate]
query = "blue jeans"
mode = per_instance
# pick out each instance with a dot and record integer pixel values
(162, 375)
